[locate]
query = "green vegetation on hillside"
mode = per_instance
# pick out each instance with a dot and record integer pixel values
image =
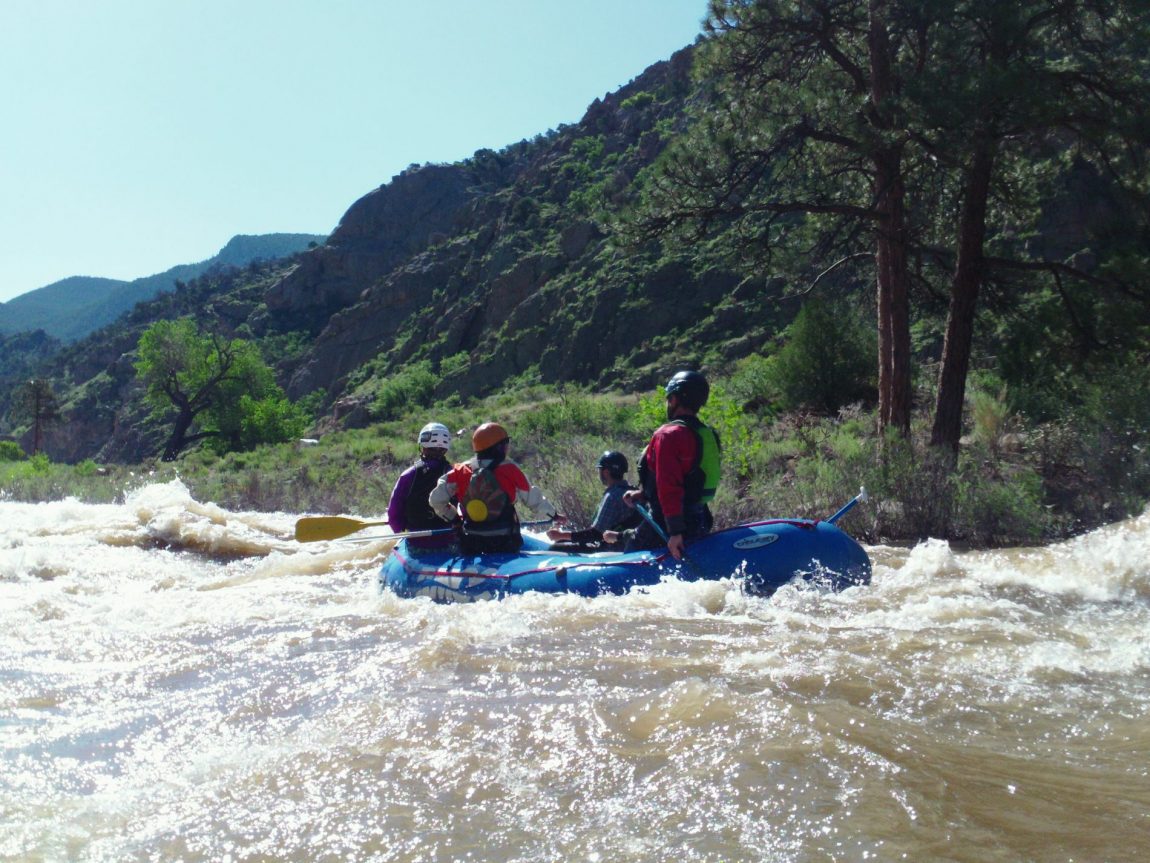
(1015, 482)
(74, 307)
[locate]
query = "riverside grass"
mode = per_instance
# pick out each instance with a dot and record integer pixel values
(1000, 493)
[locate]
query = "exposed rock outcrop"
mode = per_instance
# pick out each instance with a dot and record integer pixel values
(380, 231)
(458, 259)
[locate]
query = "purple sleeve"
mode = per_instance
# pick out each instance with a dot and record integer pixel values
(395, 506)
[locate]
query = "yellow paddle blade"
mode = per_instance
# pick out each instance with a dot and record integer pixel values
(329, 527)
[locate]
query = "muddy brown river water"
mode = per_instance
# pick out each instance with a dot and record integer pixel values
(180, 682)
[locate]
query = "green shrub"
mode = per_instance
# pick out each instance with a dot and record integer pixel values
(405, 391)
(589, 148)
(87, 468)
(525, 211)
(995, 509)
(990, 417)
(752, 383)
(651, 413)
(273, 419)
(739, 433)
(912, 486)
(827, 361)
(454, 364)
(11, 451)
(588, 199)
(640, 100)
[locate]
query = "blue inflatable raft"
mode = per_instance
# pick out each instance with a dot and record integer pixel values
(766, 555)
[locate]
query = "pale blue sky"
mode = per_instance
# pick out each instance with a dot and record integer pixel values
(141, 134)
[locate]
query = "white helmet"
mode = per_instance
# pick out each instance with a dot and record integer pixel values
(434, 436)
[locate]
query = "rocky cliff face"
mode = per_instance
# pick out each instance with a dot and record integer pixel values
(380, 231)
(103, 420)
(504, 259)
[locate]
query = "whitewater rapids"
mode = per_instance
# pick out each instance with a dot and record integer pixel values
(181, 682)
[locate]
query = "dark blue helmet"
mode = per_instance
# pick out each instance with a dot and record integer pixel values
(691, 388)
(615, 462)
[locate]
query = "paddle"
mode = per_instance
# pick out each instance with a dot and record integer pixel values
(861, 497)
(407, 535)
(646, 513)
(322, 527)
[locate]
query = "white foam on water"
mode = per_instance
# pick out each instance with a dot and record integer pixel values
(179, 681)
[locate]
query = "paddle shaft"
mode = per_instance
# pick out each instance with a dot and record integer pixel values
(415, 534)
(650, 519)
(861, 497)
(411, 534)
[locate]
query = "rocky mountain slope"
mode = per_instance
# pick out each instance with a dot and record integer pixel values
(455, 280)
(509, 265)
(505, 265)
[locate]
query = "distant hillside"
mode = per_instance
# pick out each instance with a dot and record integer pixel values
(71, 308)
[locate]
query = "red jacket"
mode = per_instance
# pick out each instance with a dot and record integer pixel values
(511, 478)
(453, 485)
(671, 454)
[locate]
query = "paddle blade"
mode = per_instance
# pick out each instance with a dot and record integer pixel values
(329, 527)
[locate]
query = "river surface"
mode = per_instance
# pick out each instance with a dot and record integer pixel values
(181, 682)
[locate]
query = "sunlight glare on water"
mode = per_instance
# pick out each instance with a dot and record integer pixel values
(180, 682)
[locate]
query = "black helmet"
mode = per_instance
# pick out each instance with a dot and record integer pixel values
(615, 462)
(691, 388)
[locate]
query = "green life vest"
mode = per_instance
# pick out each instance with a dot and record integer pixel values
(710, 459)
(702, 481)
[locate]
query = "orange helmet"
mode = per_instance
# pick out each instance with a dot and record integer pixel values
(487, 435)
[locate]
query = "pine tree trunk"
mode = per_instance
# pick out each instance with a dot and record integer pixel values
(968, 273)
(893, 298)
(890, 252)
(37, 419)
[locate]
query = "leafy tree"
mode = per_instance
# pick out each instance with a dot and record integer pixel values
(1016, 91)
(256, 421)
(831, 111)
(810, 126)
(36, 402)
(218, 389)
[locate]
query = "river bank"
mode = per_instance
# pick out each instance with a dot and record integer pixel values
(1010, 487)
